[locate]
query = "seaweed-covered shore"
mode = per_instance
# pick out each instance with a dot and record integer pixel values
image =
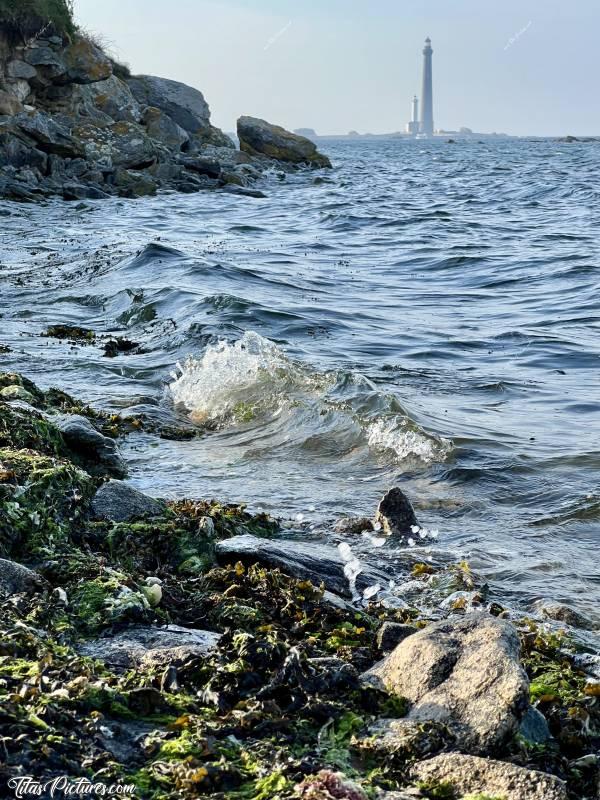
(158, 644)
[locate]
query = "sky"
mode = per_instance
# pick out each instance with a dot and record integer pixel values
(522, 67)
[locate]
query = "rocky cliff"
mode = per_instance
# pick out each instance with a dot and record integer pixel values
(74, 123)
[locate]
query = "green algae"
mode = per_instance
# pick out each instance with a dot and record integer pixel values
(276, 705)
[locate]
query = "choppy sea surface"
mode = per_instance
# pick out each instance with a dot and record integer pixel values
(426, 315)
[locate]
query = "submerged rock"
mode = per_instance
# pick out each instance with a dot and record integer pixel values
(550, 609)
(468, 774)
(15, 578)
(120, 502)
(151, 647)
(395, 514)
(305, 560)
(259, 138)
(81, 436)
(463, 673)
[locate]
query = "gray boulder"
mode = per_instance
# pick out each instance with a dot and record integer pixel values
(81, 437)
(122, 144)
(51, 136)
(163, 129)
(463, 673)
(120, 502)
(318, 563)
(183, 104)
(107, 101)
(259, 138)
(471, 775)
(15, 578)
(9, 104)
(20, 69)
(395, 513)
(145, 646)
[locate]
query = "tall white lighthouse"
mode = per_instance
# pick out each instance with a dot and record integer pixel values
(427, 90)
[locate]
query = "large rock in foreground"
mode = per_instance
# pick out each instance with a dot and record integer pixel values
(259, 138)
(463, 673)
(482, 776)
(305, 561)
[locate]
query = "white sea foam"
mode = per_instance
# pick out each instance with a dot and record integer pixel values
(238, 380)
(253, 378)
(396, 434)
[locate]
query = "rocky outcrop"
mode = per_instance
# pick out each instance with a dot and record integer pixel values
(395, 514)
(71, 127)
(259, 138)
(482, 776)
(306, 561)
(184, 105)
(463, 673)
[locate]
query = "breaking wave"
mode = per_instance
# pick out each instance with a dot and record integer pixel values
(253, 381)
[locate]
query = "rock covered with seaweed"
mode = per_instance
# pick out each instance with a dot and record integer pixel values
(75, 123)
(139, 648)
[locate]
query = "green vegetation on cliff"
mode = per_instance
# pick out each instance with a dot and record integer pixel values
(21, 19)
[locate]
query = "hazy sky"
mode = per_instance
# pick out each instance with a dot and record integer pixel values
(519, 66)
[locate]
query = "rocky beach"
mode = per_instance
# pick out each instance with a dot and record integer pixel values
(255, 541)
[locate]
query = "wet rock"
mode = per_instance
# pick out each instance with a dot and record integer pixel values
(463, 673)
(9, 104)
(130, 184)
(203, 166)
(534, 727)
(9, 393)
(395, 513)
(145, 646)
(560, 612)
(81, 436)
(80, 191)
(471, 775)
(244, 192)
(120, 502)
(353, 525)
(259, 138)
(15, 578)
(391, 634)
(304, 560)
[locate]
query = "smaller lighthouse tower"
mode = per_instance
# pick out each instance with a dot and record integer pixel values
(413, 127)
